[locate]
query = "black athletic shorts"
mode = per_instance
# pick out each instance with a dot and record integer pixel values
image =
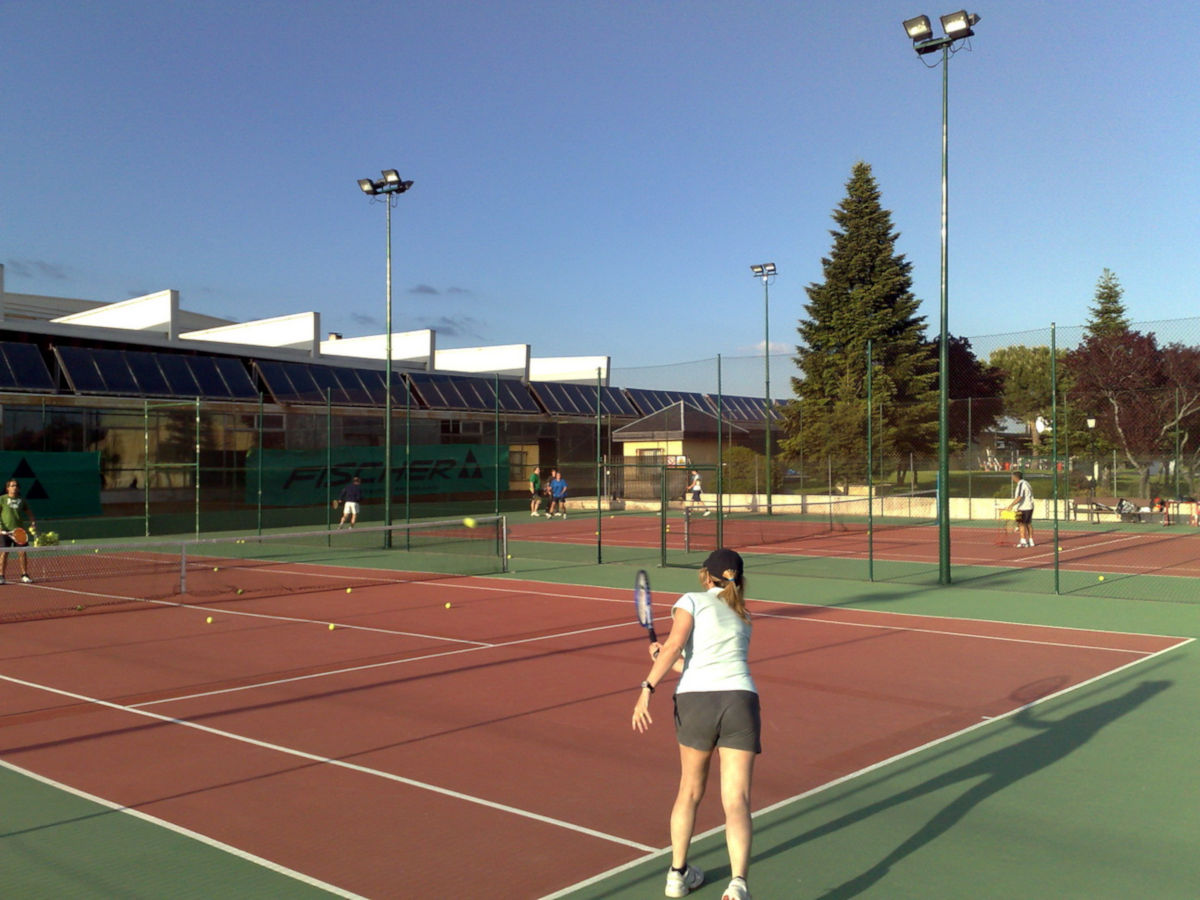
(707, 719)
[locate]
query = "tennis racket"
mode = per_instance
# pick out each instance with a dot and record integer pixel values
(641, 600)
(20, 536)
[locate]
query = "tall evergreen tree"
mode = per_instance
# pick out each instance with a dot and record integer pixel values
(1108, 316)
(866, 295)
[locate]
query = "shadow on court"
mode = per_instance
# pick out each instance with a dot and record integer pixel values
(1050, 742)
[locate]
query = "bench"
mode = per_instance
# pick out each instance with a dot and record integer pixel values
(1096, 508)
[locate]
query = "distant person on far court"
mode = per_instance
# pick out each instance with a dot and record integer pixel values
(15, 512)
(350, 498)
(1023, 501)
(535, 491)
(558, 494)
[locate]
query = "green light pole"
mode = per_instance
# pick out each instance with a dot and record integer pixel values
(766, 272)
(388, 187)
(957, 26)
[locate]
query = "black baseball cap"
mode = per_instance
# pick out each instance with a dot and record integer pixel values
(724, 560)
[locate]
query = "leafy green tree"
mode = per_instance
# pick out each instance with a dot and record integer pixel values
(866, 295)
(1027, 384)
(1108, 316)
(976, 393)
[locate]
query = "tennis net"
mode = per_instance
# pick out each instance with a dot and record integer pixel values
(73, 578)
(805, 518)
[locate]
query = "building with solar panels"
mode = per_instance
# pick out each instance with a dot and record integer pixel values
(172, 421)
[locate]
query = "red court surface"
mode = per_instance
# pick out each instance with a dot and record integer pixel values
(1172, 551)
(425, 743)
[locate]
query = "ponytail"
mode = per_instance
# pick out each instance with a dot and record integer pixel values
(733, 590)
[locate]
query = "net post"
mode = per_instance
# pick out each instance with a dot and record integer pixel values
(183, 568)
(503, 543)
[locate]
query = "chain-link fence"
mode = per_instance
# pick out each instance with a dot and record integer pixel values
(1106, 429)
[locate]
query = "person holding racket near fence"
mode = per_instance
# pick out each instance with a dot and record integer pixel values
(1023, 501)
(15, 516)
(716, 707)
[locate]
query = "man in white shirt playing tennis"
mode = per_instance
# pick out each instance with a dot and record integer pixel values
(1023, 501)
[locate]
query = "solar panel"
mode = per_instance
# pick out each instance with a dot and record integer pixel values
(237, 379)
(575, 399)
(352, 386)
(149, 376)
(28, 368)
(7, 379)
(328, 384)
(204, 369)
(438, 390)
(276, 380)
(179, 375)
(79, 366)
(651, 401)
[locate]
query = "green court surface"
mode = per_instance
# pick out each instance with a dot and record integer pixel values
(1088, 795)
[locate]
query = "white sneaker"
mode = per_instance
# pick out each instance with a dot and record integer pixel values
(533, 514)
(680, 885)
(737, 890)
(708, 512)
(1022, 544)
(1031, 543)
(2, 581)
(25, 579)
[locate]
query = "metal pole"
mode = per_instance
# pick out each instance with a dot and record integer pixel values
(720, 459)
(943, 346)
(767, 381)
(599, 469)
(387, 385)
(1054, 447)
(870, 480)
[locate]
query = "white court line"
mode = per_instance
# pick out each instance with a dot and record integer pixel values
(186, 832)
(866, 770)
(330, 761)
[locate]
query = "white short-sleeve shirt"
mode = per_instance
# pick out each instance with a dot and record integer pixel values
(715, 656)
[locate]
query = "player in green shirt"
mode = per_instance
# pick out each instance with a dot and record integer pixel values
(535, 491)
(15, 513)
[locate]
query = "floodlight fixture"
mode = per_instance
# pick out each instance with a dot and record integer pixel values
(958, 24)
(391, 176)
(918, 29)
(367, 186)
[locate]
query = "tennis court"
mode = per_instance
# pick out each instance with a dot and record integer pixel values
(420, 748)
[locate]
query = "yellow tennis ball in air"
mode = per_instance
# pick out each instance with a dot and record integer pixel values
(469, 522)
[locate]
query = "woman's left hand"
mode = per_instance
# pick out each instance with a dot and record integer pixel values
(641, 713)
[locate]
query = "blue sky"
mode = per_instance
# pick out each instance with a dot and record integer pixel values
(593, 178)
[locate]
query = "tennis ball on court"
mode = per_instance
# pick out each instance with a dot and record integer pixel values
(216, 569)
(469, 522)
(79, 608)
(447, 604)
(208, 621)
(331, 626)
(239, 590)
(1101, 577)
(348, 590)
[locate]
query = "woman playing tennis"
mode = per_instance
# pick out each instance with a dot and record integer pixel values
(716, 707)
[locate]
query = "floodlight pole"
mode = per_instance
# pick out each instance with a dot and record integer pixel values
(388, 186)
(766, 272)
(957, 27)
(943, 343)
